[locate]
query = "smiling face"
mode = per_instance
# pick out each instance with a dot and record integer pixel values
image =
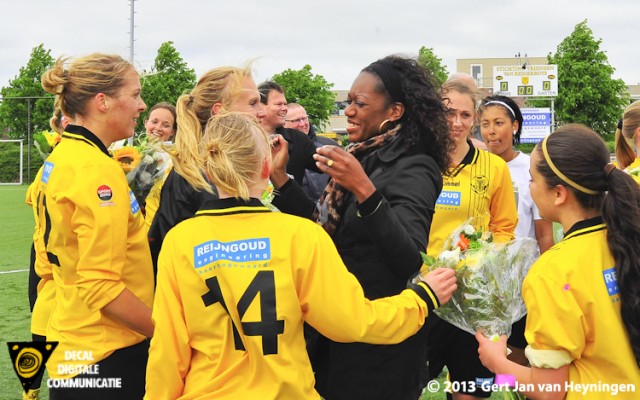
(275, 111)
(297, 119)
(160, 124)
(460, 115)
(367, 108)
(497, 130)
(125, 107)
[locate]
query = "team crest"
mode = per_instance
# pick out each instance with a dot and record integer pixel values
(479, 184)
(29, 359)
(525, 80)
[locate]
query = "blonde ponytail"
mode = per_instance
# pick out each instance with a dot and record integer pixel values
(233, 147)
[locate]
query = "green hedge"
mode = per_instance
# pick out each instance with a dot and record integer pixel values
(10, 163)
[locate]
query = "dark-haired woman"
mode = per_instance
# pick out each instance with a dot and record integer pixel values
(583, 294)
(501, 125)
(378, 208)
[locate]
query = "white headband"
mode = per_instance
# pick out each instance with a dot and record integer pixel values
(502, 103)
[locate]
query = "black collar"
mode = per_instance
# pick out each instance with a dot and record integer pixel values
(83, 134)
(221, 204)
(586, 223)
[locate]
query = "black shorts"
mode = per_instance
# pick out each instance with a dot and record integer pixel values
(517, 334)
(458, 350)
(128, 364)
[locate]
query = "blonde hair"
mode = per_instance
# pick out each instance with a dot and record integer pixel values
(630, 124)
(233, 149)
(56, 121)
(219, 85)
(462, 87)
(82, 79)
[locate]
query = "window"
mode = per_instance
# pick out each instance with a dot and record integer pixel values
(476, 72)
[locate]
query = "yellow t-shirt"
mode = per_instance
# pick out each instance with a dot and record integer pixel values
(235, 284)
(574, 318)
(479, 187)
(96, 244)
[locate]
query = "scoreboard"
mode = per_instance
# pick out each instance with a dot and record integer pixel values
(533, 80)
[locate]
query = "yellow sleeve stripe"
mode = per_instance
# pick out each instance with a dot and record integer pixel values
(547, 358)
(424, 291)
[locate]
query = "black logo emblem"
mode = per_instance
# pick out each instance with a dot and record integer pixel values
(29, 359)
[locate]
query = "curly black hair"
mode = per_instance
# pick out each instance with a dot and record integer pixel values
(424, 122)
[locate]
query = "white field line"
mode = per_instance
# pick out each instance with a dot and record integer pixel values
(14, 271)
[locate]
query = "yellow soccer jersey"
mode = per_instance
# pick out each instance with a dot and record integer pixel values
(96, 244)
(235, 284)
(574, 318)
(34, 193)
(45, 301)
(480, 186)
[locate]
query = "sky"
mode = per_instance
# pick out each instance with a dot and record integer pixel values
(336, 38)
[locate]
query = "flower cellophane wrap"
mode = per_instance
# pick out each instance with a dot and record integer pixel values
(144, 164)
(267, 197)
(489, 278)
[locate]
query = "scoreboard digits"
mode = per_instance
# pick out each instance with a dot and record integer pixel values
(525, 90)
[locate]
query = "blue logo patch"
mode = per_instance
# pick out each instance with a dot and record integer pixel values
(449, 198)
(46, 171)
(611, 281)
(484, 382)
(133, 202)
(238, 251)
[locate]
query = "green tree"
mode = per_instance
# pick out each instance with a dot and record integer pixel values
(587, 92)
(313, 92)
(428, 59)
(24, 92)
(169, 78)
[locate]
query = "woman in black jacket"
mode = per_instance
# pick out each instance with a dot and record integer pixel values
(378, 208)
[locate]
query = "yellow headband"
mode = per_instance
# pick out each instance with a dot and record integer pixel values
(560, 174)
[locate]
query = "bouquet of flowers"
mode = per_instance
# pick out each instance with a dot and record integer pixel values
(144, 164)
(489, 277)
(635, 173)
(45, 141)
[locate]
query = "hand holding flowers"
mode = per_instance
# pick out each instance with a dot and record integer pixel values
(489, 277)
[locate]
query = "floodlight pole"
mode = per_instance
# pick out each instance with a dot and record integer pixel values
(131, 29)
(131, 40)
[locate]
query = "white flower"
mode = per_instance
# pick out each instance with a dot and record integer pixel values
(148, 159)
(468, 230)
(145, 178)
(452, 256)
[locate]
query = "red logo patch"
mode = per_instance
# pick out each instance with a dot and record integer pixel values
(105, 193)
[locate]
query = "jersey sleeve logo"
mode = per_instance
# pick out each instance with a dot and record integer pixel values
(105, 193)
(46, 171)
(133, 202)
(240, 251)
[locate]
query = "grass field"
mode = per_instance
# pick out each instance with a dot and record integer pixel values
(15, 242)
